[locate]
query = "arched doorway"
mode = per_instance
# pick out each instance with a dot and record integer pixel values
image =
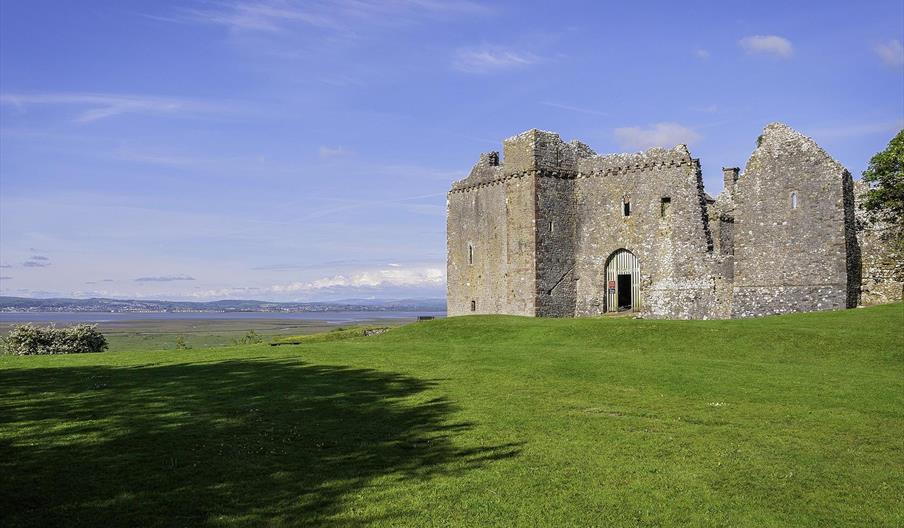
(622, 282)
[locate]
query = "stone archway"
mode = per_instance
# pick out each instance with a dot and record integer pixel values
(622, 282)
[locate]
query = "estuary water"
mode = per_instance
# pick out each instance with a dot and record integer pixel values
(116, 317)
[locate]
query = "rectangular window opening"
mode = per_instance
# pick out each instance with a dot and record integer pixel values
(626, 208)
(664, 206)
(473, 306)
(552, 226)
(470, 254)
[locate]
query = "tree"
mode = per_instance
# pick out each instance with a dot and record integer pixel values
(885, 174)
(884, 202)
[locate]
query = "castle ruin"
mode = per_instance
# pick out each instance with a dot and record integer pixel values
(554, 229)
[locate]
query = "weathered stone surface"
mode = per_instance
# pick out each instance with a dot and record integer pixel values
(881, 263)
(794, 238)
(532, 234)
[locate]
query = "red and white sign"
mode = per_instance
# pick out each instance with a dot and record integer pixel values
(611, 284)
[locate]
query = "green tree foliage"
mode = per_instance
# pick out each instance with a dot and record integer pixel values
(884, 203)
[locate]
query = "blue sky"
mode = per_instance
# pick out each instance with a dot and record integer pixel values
(302, 150)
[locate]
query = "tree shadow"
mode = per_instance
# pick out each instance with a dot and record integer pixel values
(250, 442)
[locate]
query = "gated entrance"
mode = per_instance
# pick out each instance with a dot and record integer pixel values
(622, 282)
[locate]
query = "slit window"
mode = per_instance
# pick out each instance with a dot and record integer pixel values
(473, 306)
(470, 254)
(552, 226)
(626, 207)
(665, 204)
(794, 200)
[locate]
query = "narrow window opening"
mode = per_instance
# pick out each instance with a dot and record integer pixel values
(664, 206)
(794, 200)
(470, 254)
(626, 208)
(473, 306)
(552, 226)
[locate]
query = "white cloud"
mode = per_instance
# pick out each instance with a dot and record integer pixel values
(767, 45)
(891, 52)
(101, 106)
(658, 135)
(391, 280)
(701, 53)
(380, 278)
(488, 60)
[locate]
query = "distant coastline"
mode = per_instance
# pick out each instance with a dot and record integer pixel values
(25, 305)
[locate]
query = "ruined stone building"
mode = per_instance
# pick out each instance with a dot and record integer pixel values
(554, 229)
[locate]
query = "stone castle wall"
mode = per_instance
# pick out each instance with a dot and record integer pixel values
(542, 223)
(671, 241)
(490, 243)
(792, 225)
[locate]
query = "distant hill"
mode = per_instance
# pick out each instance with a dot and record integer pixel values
(24, 304)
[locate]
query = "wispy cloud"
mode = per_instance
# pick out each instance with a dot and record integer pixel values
(5, 277)
(94, 107)
(891, 52)
(570, 108)
(336, 15)
(701, 53)
(247, 16)
(708, 109)
(658, 135)
(489, 60)
(332, 152)
(165, 278)
(767, 45)
(36, 261)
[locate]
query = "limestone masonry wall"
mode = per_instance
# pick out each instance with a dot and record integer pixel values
(879, 258)
(533, 233)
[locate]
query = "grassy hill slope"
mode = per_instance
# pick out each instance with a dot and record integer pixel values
(476, 421)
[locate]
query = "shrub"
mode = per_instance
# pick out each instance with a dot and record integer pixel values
(181, 344)
(250, 338)
(29, 339)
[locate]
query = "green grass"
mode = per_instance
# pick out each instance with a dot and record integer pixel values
(337, 334)
(476, 421)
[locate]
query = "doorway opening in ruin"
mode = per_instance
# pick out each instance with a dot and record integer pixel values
(624, 292)
(622, 282)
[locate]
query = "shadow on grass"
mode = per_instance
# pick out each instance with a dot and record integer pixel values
(252, 442)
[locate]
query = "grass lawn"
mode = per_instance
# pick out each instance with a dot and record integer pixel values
(476, 421)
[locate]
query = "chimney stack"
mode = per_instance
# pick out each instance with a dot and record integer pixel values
(729, 178)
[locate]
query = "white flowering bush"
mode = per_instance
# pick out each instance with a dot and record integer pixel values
(29, 339)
